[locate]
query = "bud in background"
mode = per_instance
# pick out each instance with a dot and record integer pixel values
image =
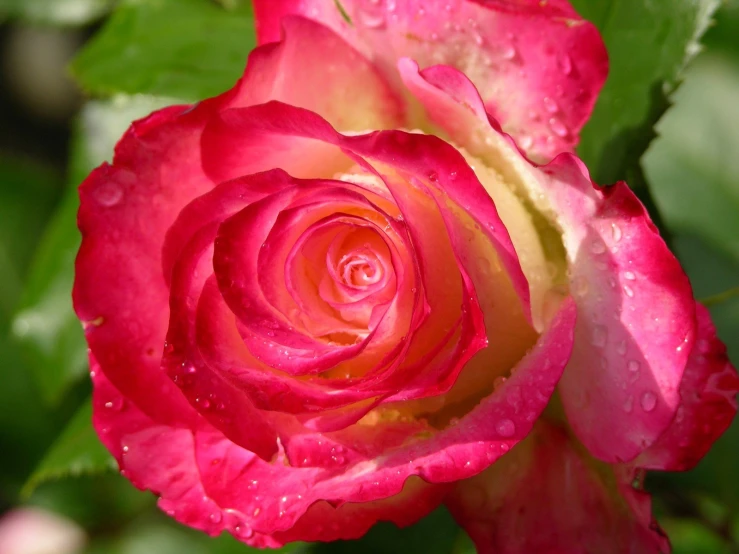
(37, 531)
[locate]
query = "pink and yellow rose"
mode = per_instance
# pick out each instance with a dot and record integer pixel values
(342, 292)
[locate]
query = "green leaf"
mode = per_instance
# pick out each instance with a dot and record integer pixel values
(693, 167)
(56, 12)
(45, 325)
(648, 44)
(693, 173)
(77, 451)
(27, 195)
(435, 534)
(693, 537)
(190, 49)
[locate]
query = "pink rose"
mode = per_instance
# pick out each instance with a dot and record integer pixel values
(299, 325)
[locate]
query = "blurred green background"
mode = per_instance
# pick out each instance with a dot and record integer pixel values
(133, 56)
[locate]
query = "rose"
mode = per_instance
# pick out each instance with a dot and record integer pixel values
(297, 330)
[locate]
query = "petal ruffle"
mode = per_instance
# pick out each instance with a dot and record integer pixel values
(548, 496)
(538, 65)
(707, 404)
(636, 322)
(206, 481)
(314, 68)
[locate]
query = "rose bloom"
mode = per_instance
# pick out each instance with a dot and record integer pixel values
(344, 291)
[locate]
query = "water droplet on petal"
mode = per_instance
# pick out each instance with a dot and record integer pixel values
(616, 231)
(565, 64)
(215, 517)
(243, 531)
(597, 247)
(108, 194)
(634, 366)
(509, 52)
(371, 14)
(559, 128)
(648, 401)
(600, 336)
(526, 142)
(505, 428)
(580, 286)
(621, 348)
(551, 105)
(629, 404)
(629, 291)
(116, 404)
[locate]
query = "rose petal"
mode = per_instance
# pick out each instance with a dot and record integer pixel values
(125, 210)
(538, 65)
(547, 496)
(210, 483)
(635, 308)
(424, 156)
(297, 69)
(707, 404)
(452, 102)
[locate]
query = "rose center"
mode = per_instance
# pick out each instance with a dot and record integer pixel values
(360, 269)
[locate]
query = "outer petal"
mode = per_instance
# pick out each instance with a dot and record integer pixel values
(208, 482)
(313, 68)
(707, 404)
(538, 65)
(127, 208)
(119, 289)
(636, 322)
(637, 316)
(549, 497)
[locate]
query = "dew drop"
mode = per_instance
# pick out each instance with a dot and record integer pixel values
(559, 128)
(551, 105)
(629, 275)
(505, 428)
(108, 194)
(703, 345)
(648, 401)
(116, 404)
(371, 14)
(616, 231)
(215, 517)
(629, 291)
(580, 286)
(597, 247)
(565, 64)
(629, 404)
(243, 531)
(600, 336)
(526, 142)
(621, 348)
(634, 366)
(509, 52)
